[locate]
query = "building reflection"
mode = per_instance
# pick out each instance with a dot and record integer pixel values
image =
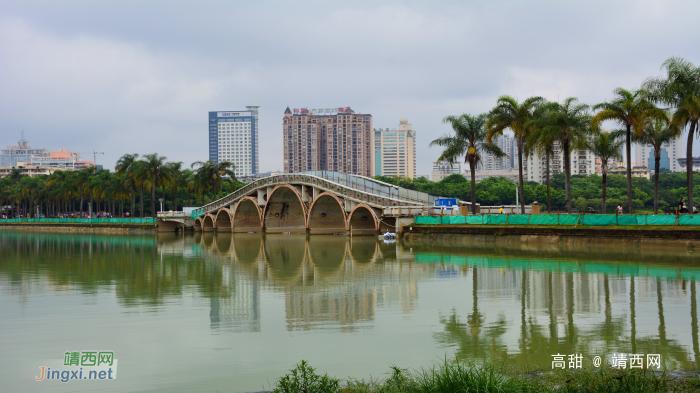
(523, 304)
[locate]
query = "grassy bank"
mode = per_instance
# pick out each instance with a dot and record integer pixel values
(465, 377)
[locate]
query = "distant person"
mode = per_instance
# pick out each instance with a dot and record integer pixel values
(681, 206)
(500, 211)
(619, 208)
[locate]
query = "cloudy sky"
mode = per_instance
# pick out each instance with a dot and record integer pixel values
(140, 77)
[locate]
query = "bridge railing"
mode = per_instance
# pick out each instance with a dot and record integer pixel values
(389, 194)
(172, 214)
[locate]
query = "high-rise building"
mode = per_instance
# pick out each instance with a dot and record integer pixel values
(583, 162)
(508, 145)
(443, 169)
(670, 153)
(395, 151)
(318, 140)
(233, 137)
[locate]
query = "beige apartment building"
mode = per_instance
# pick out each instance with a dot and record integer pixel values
(395, 151)
(316, 140)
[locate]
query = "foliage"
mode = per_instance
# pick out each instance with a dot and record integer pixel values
(304, 379)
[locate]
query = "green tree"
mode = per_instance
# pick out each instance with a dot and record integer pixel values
(125, 170)
(656, 133)
(569, 123)
(469, 140)
(156, 173)
(607, 146)
(631, 110)
(510, 114)
(681, 91)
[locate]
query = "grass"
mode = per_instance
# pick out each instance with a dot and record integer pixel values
(469, 377)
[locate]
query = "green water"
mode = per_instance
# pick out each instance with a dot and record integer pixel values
(231, 313)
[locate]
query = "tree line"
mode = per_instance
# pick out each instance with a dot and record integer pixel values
(136, 184)
(655, 113)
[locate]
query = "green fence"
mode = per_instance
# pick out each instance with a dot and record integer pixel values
(83, 220)
(561, 219)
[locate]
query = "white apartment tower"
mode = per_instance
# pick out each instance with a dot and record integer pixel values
(233, 137)
(670, 153)
(583, 162)
(395, 151)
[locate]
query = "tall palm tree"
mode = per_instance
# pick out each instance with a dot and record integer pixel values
(139, 176)
(656, 133)
(178, 180)
(510, 114)
(82, 177)
(607, 146)
(210, 172)
(156, 173)
(681, 91)
(539, 143)
(569, 123)
(124, 169)
(631, 110)
(469, 140)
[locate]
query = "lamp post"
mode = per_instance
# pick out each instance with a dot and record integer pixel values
(161, 204)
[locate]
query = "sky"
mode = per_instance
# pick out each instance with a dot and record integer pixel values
(140, 76)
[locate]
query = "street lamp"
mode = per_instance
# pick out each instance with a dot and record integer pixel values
(161, 204)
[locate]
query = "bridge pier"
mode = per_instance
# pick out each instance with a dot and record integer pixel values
(326, 215)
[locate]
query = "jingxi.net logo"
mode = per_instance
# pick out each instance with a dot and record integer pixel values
(80, 366)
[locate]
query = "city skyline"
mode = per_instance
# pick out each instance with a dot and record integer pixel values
(144, 89)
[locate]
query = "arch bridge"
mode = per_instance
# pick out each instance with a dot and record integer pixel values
(317, 202)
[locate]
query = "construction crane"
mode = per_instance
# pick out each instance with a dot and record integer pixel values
(94, 155)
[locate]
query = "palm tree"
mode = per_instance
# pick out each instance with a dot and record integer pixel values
(509, 114)
(656, 133)
(82, 177)
(139, 176)
(124, 169)
(469, 140)
(210, 172)
(541, 143)
(631, 110)
(178, 179)
(568, 123)
(681, 91)
(607, 146)
(156, 173)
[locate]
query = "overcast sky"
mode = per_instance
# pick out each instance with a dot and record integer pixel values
(139, 77)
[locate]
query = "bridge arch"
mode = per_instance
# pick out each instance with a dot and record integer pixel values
(223, 220)
(208, 223)
(363, 220)
(246, 216)
(197, 224)
(326, 215)
(284, 211)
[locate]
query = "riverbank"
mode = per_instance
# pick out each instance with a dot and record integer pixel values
(465, 377)
(628, 235)
(79, 227)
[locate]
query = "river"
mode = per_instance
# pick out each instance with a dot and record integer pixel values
(231, 313)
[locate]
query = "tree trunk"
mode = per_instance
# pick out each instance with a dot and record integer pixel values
(175, 197)
(605, 187)
(132, 213)
(657, 159)
(567, 174)
(520, 175)
(472, 167)
(153, 198)
(629, 168)
(141, 204)
(549, 198)
(81, 204)
(689, 163)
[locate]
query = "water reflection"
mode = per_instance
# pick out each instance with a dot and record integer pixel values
(524, 303)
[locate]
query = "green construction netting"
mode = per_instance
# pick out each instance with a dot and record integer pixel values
(660, 220)
(495, 219)
(590, 219)
(689, 220)
(544, 219)
(454, 220)
(627, 220)
(519, 219)
(475, 219)
(569, 219)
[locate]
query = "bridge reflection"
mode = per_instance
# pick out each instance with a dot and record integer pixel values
(519, 305)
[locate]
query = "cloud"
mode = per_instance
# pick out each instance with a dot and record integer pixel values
(141, 77)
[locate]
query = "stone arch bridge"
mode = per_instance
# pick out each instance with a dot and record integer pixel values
(317, 202)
